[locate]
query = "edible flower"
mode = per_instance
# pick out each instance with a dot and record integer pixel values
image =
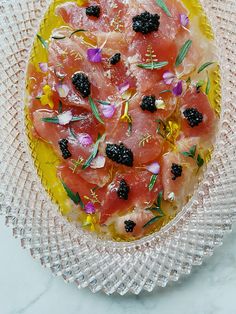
(184, 20)
(46, 98)
(43, 67)
(122, 88)
(85, 139)
(154, 168)
(170, 78)
(89, 208)
(108, 110)
(98, 162)
(90, 222)
(160, 104)
(94, 55)
(126, 117)
(65, 117)
(62, 90)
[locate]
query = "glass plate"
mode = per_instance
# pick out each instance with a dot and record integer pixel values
(81, 257)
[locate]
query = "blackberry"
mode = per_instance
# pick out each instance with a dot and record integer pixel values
(82, 84)
(129, 225)
(120, 154)
(93, 10)
(176, 170)
(149, 103)
(123, 190)
(193, 116)
(146, 23)
(63, 144)
(115, 59)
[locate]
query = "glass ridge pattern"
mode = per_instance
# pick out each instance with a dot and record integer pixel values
(80, 257)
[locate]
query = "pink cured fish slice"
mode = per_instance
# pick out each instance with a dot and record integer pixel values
(139, 195)
(199, 101)
(112, 13)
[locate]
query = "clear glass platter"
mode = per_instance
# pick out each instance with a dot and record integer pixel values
(83, 258)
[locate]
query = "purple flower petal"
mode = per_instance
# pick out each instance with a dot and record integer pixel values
(184, 20)
(62, 89)
(98, 162)
(94, 55)
(154, 168)
(89, 208)
(43, 66)
(168, 77)
(108, 110)
(124, 87)
(178, 89)
(85, 139)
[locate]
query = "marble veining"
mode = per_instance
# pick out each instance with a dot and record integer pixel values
(27, 288)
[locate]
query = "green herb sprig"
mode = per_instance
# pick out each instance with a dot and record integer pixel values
(204, 66)
(208, 86)
(153, 181)
(75, 197)
(94, 152)
(55, 120)
(157, 208)
(153, 65)
(43, 41)
(95, 110)
(164, 7)
(183, 52)
(192, 154)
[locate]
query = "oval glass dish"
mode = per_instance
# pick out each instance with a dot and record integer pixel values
(82, 257)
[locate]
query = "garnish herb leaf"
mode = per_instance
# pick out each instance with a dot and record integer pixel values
(200, 161)
(60, 107)
(152, 182)
(43, 41)
(163, 6)
(159, 200)
(58, 37)
(183, 52)
(199, 84)
(54, 120)
(75, 197)
(104, 103)
(204, 66)
(152, 221)
(95, 110)
(152, 65)
(77, 31)
(208, 86)
(94, 152)
(165, 91)
(191, 153)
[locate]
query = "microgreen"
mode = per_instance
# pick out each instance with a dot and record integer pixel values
(183, 52)
(75, 197)
(199, 84)
(164, 7)
(95, 110)
(43, 41)
(157, 208)
(200, 161)
(153, 65)
(191, 153)
(94, 152)
(204, 66)
(153, 180)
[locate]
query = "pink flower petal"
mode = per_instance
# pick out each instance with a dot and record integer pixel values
(94, 55)
(178, 89)
(124, 87)
(43, 66)
(89, 208)
(65, 117)
(85, 139)
(98, 162)
(168, 77)
(62, 89)
(184, 20)
(154, 168)
(108, 110)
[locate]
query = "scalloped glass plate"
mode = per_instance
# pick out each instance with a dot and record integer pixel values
(81, 257)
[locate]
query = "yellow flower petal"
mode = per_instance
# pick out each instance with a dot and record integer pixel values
(47, 90)
(44, 100)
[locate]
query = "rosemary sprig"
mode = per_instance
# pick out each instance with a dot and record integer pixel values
(163, 6)
(75, 197)
(94, 152)
(204, 66)
(55, 120)
(153, 181)
(183, 52)
(153, 65)
(43, 41)
(95, 110)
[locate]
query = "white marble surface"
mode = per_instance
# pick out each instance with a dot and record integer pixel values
(27, 288)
